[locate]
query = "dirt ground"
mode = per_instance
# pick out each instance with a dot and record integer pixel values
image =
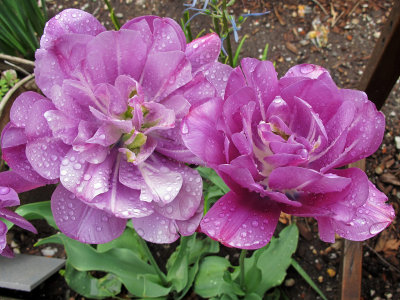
(349, 44)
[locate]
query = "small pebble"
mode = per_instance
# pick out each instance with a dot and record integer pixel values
(378, 170)
(119, 15)
(320, 279)
(331, 272)
(392, 114)
(49, 251)
(377, 34)
(372, 292)
(290, 282)
(397, 142)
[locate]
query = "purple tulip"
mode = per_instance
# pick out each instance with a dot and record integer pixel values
(278, 144)
(9, 197)
(108, 127)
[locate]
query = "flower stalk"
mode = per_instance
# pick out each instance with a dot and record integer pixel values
(242, 270)
(153, 262)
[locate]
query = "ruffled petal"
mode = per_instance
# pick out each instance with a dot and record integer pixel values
(69, 21)
(246, 222)
(302, 179)
(114, 53)
(188, 197)
(8, 196)
(82, 222)
(156, 228)
(203, 50)
(45, 155)
(37, 126)
(19, 184)
(199, 134)
(17, 220)
(20, 111)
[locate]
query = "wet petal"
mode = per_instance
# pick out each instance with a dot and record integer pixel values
(20, 111)
(16, 219)
(69, 21)
(246, 222)
(45, 155)
(199, 134)
(203, 50)
(19, 184)
(82, 222)
(8, 196)
(156, 228)
(306, 180)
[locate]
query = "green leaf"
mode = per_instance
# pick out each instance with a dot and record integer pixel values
(252, 296)
(37, 210)
(272, 262)
(209, 281)
(265, 52)
(307, 278)
(275, 295)
(138, 277)
(178, 270)
(129, 239)
(211, 175)
(237, 53)
(90, 287)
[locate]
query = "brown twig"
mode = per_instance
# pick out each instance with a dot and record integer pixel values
(320, 5)
(388, 264)
(16, 59)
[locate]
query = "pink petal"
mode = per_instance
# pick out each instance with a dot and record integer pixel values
(20, 111)
(8, 196)
(297, 178)
(203, 50)
(45, 155)
(199, 134)
(16, 219)
(37, 126)
(187, 199)
(12, 180)
(156, 229)
(84, 179)
(188, 227)
(246, 221)
(114, 53)
(69, 21)
(82, 222)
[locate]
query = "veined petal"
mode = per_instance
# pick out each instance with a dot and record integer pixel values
(302, 179)
(199, 134)
(203, 50)
(20, 111)
(19, 184)
(246, 222)
(8, 196)
(17, 220)
(156, 228)
(82, 222)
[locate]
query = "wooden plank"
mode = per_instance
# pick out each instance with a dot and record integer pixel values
(351, 264)
(383, 68)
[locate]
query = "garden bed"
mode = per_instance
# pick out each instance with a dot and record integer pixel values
(350, 43)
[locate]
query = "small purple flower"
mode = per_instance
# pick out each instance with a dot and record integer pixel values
(9, 197)
(108, 127)
(278, 146)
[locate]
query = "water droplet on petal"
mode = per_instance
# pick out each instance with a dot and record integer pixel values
(4, 190)
(377, 227)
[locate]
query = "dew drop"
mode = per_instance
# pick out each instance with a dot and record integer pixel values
(4, 190)
(377, 227)
(254, 223)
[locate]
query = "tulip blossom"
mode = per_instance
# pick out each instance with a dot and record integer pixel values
(108, 125)
(278, 145)
(9, 197)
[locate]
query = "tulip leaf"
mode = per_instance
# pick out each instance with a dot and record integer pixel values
(138, 277)
(90, 287)
(37, 210)
(210, 279)
(129, 239)
(212, 176)
(271, 262)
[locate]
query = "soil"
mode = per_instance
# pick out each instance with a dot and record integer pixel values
(348, 47)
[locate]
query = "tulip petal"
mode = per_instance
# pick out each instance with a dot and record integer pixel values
(246, 221)
(81, 222)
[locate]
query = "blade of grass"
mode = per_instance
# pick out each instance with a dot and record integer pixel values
(307, 278)
(265, 52)
(237, 53)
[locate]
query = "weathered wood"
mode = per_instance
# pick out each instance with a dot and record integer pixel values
(383, 68)
(351, 264)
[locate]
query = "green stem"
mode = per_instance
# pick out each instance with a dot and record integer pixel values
(226, 30)
(187, 27)
(114, 20)
(242, 270)
(153, 262)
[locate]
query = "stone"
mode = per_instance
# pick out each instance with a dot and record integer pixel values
(25, 272)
